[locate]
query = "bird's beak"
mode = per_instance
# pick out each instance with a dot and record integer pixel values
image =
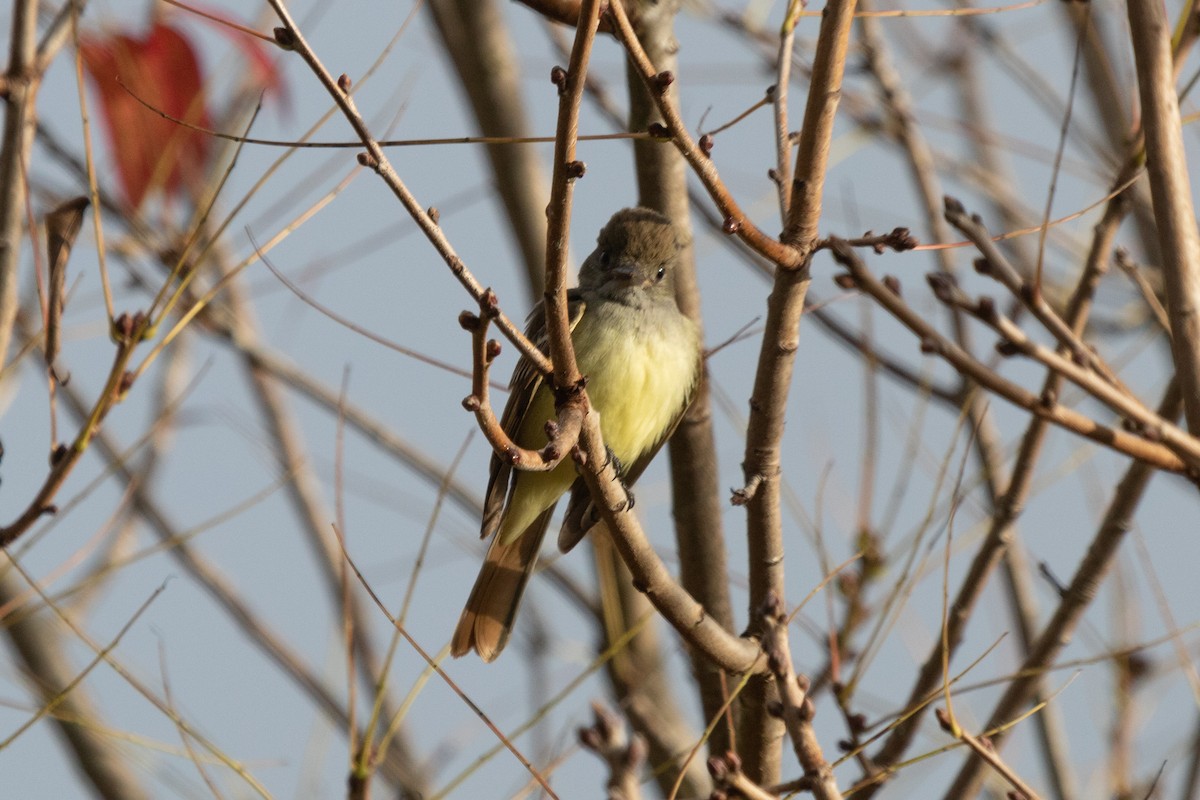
(624, 272)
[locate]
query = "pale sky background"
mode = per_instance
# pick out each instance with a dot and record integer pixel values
(401, 290)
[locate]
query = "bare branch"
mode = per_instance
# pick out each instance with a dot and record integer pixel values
(1171, 191)
(624, 755)
(933, 342)
(1076, 598)
(795, 708)
(562, 434)
(20, 88)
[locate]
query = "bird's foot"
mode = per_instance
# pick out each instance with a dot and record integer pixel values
(630, 500)
(619, 471)
(611, 458)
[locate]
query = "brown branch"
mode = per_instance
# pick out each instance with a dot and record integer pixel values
(21, 83)
(782, 172)
(63, 459)
(1171, 192)
(773, 375)
(933, 342)
(1015, 339)
(984, 750)
(729, 776)
(736, 221)
(558, 214)
(795, 708)
(1076, 598)
(996, 266)
(562, 434)
(897, 240)
(816, 133)
(290, 38)
(624, 755)
(477, 42)
(1149, 296)
(650, 575)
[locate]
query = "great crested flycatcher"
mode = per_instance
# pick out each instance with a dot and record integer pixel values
(642, 359)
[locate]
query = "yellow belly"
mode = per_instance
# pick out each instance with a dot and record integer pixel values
(638, 382)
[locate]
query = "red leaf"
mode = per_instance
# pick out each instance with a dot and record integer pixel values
(163, 71)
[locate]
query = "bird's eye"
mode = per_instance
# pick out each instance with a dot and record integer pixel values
(662, 273)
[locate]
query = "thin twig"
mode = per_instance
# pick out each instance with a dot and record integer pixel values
(933, 342)
(291, 37)
(1079, 594)
(984, 750)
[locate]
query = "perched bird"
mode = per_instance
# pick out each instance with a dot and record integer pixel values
(642, 359)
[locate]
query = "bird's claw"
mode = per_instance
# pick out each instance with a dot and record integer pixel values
(618, 471)
(611, 458)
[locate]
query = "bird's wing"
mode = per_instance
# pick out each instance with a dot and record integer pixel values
(526, 380)
(580, 516)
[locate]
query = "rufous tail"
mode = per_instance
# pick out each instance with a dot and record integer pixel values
(491, 610)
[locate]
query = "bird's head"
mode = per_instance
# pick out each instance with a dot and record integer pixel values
(635, 258)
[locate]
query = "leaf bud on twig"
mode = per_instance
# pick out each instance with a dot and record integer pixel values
(558, 76)
(284, 38)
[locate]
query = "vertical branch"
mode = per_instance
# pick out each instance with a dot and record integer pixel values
(795, 706)
(699, 537)
(1171, 192)
(20, 90)
(761, 733)
(1113, 102)
(782, 174)
(812, 154)
(558, 214)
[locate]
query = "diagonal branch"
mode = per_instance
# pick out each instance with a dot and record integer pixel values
(289, 37)
(736, 221)
(1046, 406)
(1076, 598)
